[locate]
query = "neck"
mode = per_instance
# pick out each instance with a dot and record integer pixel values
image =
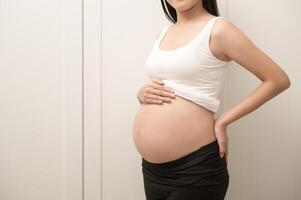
(192, 14)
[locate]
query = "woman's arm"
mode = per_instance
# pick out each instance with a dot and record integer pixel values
(235, 45)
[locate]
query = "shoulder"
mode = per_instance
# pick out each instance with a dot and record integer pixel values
(228, 36)
(224, 27)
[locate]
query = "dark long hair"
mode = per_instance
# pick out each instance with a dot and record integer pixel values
(170, 12)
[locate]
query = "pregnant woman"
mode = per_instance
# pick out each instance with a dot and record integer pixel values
(184, 148)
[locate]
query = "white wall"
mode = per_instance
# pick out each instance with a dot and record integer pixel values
(41, 100)
(265, 145)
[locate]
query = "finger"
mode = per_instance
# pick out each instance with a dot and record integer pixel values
(166, 88)
(221, 151)
(156, 97)
(152, 101)
(159, 93)
(158, 81)
(162, 87)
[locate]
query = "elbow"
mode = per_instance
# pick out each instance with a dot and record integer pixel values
(286, 83)
(283, 82)
(280, 83)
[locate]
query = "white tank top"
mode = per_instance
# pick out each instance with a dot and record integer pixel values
(191, 70)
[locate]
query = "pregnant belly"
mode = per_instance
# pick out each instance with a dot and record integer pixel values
(168, 131)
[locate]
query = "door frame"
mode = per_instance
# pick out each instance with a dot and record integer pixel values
(92, 98)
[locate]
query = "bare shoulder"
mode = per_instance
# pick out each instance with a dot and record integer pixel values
(236, 45)
(223, 24)
(228, 36)
(225, 29)
(232, 41)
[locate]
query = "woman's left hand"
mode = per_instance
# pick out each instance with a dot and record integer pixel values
(220, 130)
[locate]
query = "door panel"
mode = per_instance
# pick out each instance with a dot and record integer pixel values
(41, 100)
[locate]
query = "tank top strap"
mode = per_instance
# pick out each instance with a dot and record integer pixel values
(161, 35)
(207, 33)
(212, 22)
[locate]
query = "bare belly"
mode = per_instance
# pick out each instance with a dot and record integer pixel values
(168, 131)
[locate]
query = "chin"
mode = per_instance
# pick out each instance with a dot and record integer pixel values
(182, 5)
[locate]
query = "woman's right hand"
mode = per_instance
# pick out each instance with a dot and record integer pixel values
(154, 92)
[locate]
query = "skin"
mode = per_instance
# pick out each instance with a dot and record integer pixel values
(227, 43)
